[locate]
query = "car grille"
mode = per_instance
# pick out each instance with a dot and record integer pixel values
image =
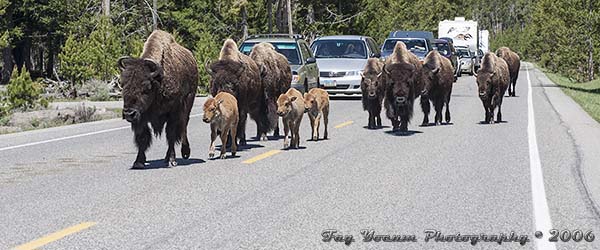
(340, 86)
(332, 74)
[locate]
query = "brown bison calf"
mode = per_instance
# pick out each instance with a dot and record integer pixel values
(222, 114)
(492, 81)
(316, 104)
(290, 107)
(373, 91)
(514, 64)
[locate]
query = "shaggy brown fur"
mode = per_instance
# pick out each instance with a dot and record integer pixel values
(402, 77)
(159, 88)
(239, 75)
(290, 106)
(514, 64)
(438, 76)
(316, 104)
(492, 80)
(373, 91)
(222, 114)
(276, 77)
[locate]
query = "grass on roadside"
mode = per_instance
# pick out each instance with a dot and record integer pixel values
(586, 94)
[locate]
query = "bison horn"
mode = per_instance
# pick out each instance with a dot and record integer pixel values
(208, 69)
(436, 70)
(385, 70)
(122, 62)
(155, 68)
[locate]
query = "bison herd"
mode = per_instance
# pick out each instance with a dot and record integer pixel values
(159, 90)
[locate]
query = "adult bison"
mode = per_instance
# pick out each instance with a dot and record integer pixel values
(437, 79)
(514, 64)
(373, 91)
(401, 74)
(492, 81)
(238, 74)
(158, 89)
(276, 78)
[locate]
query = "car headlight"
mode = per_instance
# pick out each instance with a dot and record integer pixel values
(295, 78)
(353, 73)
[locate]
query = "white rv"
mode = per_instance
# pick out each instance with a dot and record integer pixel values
(464, 33)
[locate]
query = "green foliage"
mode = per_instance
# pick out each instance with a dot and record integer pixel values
(75, 60)
(22, 92)
(104, 48)
(206, 49)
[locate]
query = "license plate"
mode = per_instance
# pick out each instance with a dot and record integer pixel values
(329, 83)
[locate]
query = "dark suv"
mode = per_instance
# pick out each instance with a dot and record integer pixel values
(305, 72)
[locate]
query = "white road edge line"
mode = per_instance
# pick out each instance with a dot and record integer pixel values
(541, 212)
(71, 137)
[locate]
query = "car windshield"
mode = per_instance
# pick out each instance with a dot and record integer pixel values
(414, 45)
(443, 48)
(339, 49)
(289, 50)
(463, 53)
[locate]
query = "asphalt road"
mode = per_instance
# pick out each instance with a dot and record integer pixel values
(466, 178)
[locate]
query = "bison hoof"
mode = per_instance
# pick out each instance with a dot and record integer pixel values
(233, 154)
(315, 138)
(286, 145)
(185, 152)
(242, 142)
(138, 165)
(222, 156)
(172, 163)
(211, 155)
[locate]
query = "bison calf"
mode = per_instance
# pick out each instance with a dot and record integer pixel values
(316, 104)
(373, 91)
(290, 107)
(222, 114)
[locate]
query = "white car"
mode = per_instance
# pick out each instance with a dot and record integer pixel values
(466, 60)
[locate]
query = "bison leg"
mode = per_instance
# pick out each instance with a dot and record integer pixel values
(224, 135)
(404, 125)
(325, 121)
(312, 127)
(426, 108)
(172, 134)
(439, 105)
(447, 101)
(241, 128)
(143, 139)
(213, 138)
(371, 123)
(296, 133)
(499, 115)
(233, 143)
(318, 124)
(185, 144)
(378, 116)
(286, 131)
(276, 129)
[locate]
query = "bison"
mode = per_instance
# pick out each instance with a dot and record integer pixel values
(158, 89)
(373, 91)
(222, 114)
(437, 79)
(276, 78)
(514, 64)
(238, 74)
(316, 104)
(290, 106)
(402, 77)
(492, 81)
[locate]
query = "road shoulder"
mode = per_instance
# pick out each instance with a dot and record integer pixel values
(583, 129)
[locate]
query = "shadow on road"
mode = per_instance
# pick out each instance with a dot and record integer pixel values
(378, 128)
(485, 123)
(292, 149)
(407, 133)
(158, 164)
(431, 124)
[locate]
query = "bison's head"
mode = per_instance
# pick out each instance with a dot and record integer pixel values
(430, 76)
(212, 110)
(224, 75)
(400, 77)
(484, 84)
(140, 79)
(310, 103)
(371, 85)
(284, 104)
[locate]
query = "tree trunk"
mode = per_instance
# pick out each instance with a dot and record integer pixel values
(106, 7)
(279, 16)
(244, 23)
(7, 59)
(154, 15)
(50, 62)
(289, 17)
(590, 42)
(270, 15)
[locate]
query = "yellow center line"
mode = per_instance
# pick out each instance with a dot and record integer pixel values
(55, 236)
(344, 124)
(262, 156)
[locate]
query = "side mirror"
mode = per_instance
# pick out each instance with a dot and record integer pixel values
(311, 60)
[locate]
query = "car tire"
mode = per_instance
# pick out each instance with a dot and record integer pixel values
(459, 73)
